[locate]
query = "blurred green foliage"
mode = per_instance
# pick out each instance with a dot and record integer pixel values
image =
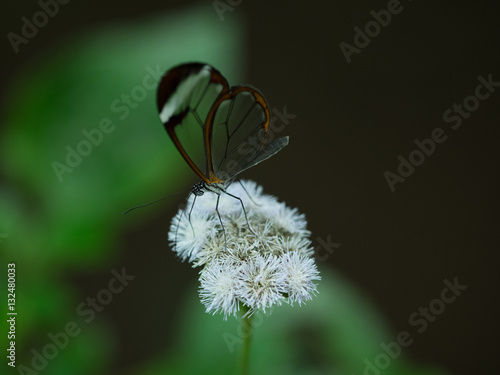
(56, 224)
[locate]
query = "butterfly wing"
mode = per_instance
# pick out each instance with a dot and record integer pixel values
(265, 152)
(236, 132)
(186, 95)
(219, 129)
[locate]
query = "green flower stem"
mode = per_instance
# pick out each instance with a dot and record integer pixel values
(246, 328)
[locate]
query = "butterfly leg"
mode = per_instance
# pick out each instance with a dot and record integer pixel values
(244, 211)
(220, 219)
(248, 195)
(177, 229)
(190, 211)
(183, 212)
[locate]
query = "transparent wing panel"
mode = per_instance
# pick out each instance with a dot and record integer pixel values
(239, 132)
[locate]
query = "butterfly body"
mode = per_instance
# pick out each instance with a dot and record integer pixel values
(203, 187)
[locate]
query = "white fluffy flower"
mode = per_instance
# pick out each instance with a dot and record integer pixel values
(219, 286)
(299, 272)
(261, 283)
(252, 264)
(185, 239)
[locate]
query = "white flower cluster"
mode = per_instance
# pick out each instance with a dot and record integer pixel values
(253, 267)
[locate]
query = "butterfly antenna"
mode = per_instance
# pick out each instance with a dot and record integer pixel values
(144, 205)
(149, 204)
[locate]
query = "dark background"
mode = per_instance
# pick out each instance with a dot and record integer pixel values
(353, 120)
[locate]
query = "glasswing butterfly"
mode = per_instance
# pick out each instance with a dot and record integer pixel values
(219, 130)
